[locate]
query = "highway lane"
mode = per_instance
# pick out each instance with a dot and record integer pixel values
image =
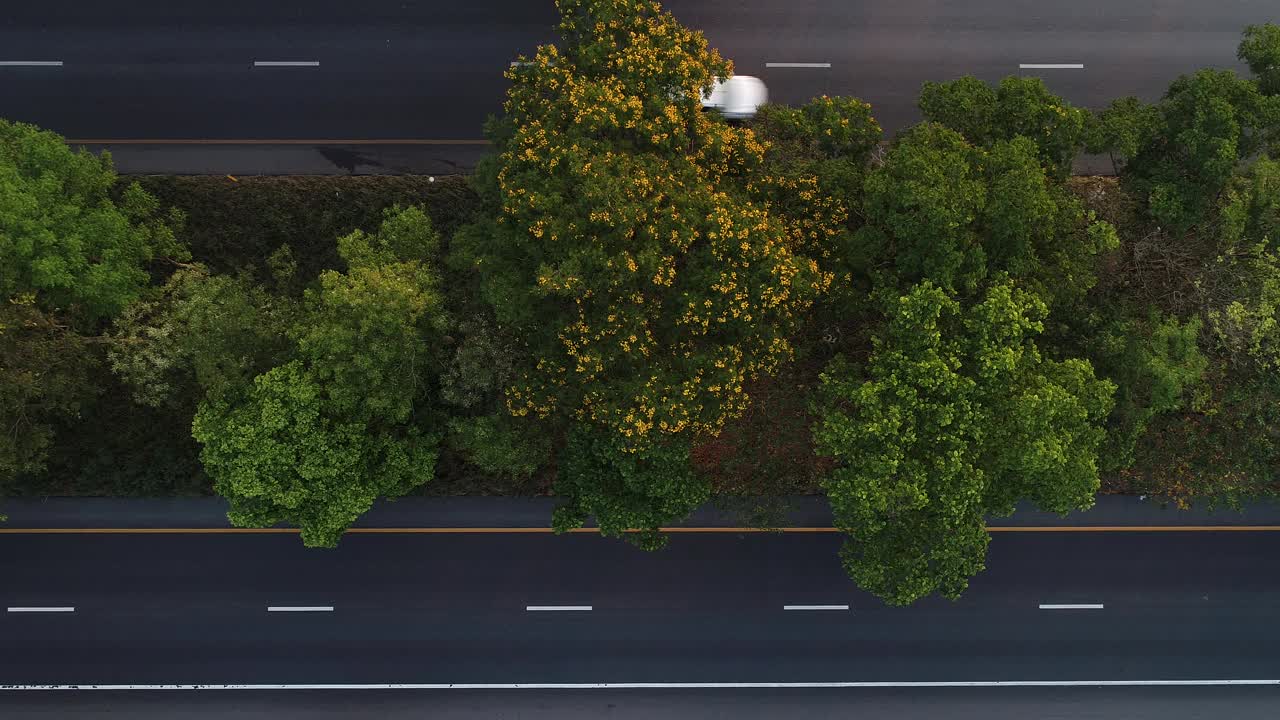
(402, 69)
(1164, 703)
(181, 70)
(159, 609)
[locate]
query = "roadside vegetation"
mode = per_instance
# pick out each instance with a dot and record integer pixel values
(639, 308)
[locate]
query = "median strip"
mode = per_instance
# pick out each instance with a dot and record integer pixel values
(1071, 607)
(557, 608)
(30, 63)
(299, 608)
(815, 607)
(41, 609)
(286, 63)
(1051, 66)
(797, 65)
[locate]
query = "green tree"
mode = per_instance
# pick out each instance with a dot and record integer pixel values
(1121, 129)
(70, 258)
(64, 239)
(625, 488)
(1243, 283)
(1179, 156)
(943, 210)
(1158, 368)
(1017, 107)
(623, 247)
(954, 416)
(354, 416)
(199, 335)
(1260, 50)
(44, 376)
(922, 206)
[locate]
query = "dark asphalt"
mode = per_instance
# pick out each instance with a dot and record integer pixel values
(397, 69)
(535, 512)
(449, 609)
(1212, 703)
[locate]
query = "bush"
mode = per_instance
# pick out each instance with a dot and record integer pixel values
(233, 224)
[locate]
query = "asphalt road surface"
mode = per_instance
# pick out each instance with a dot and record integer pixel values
(426, 70)
(1108, 703)
(193, 609)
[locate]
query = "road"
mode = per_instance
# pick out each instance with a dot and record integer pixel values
(193, 609)
(1178, 703)
(430, 609)
(389, 70)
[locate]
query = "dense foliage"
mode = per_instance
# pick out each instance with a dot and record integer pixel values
(71, 257)
(624, 249)
(954, 417)
(351, 417)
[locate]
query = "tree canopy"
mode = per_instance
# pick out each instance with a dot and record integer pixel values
(1180, 154)
(352, 417)
(954, 416)
(72, 255)
(624, 247)
(943, 210)
(1017, 107)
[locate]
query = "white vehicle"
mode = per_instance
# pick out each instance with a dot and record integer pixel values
(737, 98)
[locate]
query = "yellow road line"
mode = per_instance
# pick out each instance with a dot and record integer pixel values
(280, 141)
(543, 530)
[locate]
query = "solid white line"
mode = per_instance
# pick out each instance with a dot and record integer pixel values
(552, 608)
(815, 607)
(672, 685)
(286, 63)
(42, 609)
(796, 65)
(299, 608)
(1071, 607)
(1052, 66)
(31, 63)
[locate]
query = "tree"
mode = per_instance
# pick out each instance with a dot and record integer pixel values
(1260, 49)
(1121, 129)
(922, 206)
(64, 239)
(815, 166)
(954, 416)
(200, 335)
(44, 376)
(824, 129)
(623, 247)
(816, 154)
(1158, 368)
(70, 258)
(1018, 107)
(1180, 156)
(1243, 284)
(353, 417)
(943, 210)
(626, 488)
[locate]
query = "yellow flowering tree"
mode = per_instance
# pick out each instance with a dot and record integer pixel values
(624, 247)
